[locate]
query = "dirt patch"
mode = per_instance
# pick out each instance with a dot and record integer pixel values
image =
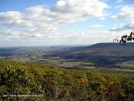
(70, 64)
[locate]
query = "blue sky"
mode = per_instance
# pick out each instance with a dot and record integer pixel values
(64, 22)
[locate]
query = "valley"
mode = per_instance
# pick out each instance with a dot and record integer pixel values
(109, 55)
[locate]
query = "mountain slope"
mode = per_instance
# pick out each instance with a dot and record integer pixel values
(102, 49)
(101, 53)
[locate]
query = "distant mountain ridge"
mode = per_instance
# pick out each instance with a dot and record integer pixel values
(112, 46)
(104, 45)
(101, 53)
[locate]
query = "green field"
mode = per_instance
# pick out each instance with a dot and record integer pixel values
(72, 60)
(55, 62)
(129, 65)
(88, 63)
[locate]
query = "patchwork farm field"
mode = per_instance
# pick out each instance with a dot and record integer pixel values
(128, 64)
(98, 55)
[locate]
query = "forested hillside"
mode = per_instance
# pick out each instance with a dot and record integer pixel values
(102, 54)
(100, 49)
(37, 82)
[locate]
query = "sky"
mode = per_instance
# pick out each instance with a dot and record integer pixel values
(64, 22)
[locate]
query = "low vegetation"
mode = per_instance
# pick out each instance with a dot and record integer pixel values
(37, 82)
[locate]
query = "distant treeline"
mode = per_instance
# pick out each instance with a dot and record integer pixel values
(21, 81)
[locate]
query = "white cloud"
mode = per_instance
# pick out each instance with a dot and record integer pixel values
(102, 18)
(127, 13)
(17, 23)
(68, 38)
(95, 26)
(41, 23)
(9, 32)
(35, 10)
(62, 13)
(37, 35)
(10, 15)
(80, 8)
(129, 26)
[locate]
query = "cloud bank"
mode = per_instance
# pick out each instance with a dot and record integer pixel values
(126, 13)
(40, 23)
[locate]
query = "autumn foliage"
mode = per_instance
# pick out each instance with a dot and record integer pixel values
(38, 82)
